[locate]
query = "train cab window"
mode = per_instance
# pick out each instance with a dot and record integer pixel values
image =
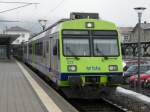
(76, 43)
(104, 33)
(76, 47)
(90, 43)
(75, 32)
(105, 47)
(105, 43)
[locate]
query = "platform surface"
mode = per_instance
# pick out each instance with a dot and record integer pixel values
(16, 94)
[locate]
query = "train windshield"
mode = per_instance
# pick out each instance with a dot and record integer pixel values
(90, 43)
(105, 47)
(105, 43)
(76, 47)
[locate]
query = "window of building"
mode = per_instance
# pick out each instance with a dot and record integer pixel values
(125, 38)
(17, 41)
(23, 35)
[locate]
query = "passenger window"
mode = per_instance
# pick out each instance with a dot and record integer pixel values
(47, 46)
(55, 47)
(55, 50)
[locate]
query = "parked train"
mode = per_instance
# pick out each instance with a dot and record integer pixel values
(81, 53)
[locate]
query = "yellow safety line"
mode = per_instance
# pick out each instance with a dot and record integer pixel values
(46, 100)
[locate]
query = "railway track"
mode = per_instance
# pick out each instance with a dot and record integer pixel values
(101, 105)
(98, 105)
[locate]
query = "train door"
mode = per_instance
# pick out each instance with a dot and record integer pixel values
(55, 62)
(47, 55)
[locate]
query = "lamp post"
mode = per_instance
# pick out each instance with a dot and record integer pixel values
(42, 23)
(139, 11)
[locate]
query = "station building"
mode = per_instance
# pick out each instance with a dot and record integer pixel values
(23, 33)
(11, 37)
(131, 43)
(5, 45)
(125, 33)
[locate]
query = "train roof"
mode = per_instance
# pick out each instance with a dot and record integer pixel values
(40, 34)
(60, 21)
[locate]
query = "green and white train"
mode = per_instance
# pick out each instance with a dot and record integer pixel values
(82, 52)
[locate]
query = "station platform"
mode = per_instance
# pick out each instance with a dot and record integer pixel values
(23, 91)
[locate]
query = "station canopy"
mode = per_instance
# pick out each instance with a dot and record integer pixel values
(6, 39)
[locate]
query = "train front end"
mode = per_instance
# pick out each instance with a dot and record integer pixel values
(90, 54)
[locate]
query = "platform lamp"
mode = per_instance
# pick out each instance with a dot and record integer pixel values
(139, 11)
(42, 23)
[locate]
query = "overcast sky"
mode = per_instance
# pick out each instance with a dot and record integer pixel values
(119, 11)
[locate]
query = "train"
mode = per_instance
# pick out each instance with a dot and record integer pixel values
(80, 55)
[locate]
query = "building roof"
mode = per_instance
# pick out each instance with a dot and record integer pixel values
(17, 28)
(125, 30)
(145, 25)
(7, 39)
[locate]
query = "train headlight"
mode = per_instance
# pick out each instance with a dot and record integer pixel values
(72, 68)
(113, 67)
(89, 25)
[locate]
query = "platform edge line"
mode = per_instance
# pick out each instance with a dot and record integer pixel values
(46, 100)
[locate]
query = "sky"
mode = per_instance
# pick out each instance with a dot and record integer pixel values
(120, 12)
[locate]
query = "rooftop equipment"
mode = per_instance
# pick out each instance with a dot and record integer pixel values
(78, 15)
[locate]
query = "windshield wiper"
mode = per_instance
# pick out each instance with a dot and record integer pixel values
(99, 51)
(72, 53)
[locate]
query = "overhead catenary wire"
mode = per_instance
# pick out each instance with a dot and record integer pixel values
(53, 9)
(26, 4)
(19, 2)
(8, 21)
(14, 8)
